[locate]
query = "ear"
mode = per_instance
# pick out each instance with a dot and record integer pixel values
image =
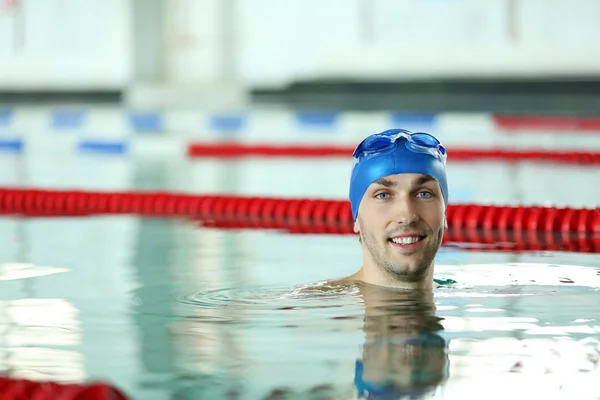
(356, 227)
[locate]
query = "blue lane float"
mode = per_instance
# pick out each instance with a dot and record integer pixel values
(316, 119)
(11, 145)
(146, 122)
(67, 119)
(225, 123)
(102, 147)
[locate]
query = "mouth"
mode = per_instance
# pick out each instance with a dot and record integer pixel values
(407, 243)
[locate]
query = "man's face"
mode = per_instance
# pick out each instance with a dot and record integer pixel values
(401, 223)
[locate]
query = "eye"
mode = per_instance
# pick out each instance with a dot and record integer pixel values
(382, 196)
(425, 194)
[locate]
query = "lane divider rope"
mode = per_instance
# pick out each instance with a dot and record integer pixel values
(317, 214)
(235, 150)
(22, 389)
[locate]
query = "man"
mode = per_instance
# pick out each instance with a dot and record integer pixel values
(399, 194)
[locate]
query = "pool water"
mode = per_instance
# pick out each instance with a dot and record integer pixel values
(476, 332)
(167, 309)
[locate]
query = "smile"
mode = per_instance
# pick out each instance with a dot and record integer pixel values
(406, 240)
(407, 243)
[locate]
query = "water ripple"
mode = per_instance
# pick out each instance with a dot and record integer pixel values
(269, 298)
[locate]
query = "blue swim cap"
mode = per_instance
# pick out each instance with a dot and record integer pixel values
(396, 151)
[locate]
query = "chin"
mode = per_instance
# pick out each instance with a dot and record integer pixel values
(410, 273)
(412, 262)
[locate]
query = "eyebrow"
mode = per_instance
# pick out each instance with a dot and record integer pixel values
(422, 180)
(416, 182)
(385, 182)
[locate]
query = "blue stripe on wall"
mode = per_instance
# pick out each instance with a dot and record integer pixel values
(400, 120)
(12, 145)
(62, 119)
(104, 147)
(316, 119)
(146, 122)
(5, 116)
(224, 122)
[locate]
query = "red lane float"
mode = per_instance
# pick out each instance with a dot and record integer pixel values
(30, 390)
(547, 123)
(333, 216)
(235, 150)
(491, 227)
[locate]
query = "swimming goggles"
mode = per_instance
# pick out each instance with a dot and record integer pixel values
(385, 142)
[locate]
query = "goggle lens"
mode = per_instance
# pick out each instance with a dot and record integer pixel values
(384, 140)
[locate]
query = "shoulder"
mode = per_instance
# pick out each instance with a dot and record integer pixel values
(347, 280)
(341, 285)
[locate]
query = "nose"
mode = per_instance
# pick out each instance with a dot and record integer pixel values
(405, 212)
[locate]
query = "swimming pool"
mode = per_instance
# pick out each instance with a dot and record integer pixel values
(167, 309)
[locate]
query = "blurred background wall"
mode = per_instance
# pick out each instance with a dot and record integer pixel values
(224, 52)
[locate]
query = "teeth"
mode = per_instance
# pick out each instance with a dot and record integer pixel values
(406, 240)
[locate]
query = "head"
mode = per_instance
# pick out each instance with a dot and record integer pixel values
(399, 193)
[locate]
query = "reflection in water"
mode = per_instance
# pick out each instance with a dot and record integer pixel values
(38, 339)
(498, 330)
(403, 354)
(400, 351)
